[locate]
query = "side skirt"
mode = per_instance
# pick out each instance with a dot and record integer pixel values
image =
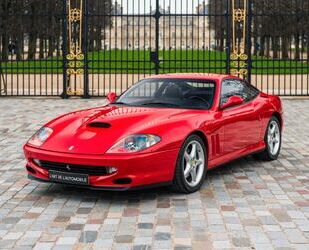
(237, 154)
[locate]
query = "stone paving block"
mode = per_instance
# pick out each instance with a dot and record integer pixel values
(43, 246)
(66, 241)
(295, 236)
(88, 236)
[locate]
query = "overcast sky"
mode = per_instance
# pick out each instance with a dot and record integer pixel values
(143, 6)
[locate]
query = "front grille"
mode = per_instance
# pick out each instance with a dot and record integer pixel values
(72, 168)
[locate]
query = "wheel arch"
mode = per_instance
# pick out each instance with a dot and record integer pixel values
(279, 117)
(204, 138)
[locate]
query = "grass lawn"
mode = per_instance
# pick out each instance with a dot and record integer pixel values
(138, 62)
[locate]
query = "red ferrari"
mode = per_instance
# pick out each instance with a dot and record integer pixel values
(164, 130)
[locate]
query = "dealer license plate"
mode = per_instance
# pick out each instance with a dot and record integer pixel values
(69, 178)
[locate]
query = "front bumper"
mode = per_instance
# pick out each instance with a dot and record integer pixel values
(143, 170)
(105, 188)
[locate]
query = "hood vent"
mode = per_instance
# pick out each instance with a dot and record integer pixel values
(99, 125)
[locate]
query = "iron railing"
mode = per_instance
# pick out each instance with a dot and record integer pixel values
(92, 47)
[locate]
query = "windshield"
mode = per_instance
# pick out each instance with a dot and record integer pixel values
(171, 93)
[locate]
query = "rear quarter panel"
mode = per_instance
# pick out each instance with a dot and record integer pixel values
(272, 106)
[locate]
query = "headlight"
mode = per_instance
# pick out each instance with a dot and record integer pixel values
(40, 136)
(134, 143)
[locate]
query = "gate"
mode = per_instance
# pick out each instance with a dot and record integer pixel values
(141, 38)
(91, 47)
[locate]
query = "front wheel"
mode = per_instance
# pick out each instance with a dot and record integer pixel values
(272, 140)
(191, 166)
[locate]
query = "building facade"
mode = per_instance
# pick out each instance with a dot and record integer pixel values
(175, 31)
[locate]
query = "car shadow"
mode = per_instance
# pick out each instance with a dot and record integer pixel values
(242, 165)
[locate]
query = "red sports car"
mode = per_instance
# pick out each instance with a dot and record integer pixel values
(164, 130)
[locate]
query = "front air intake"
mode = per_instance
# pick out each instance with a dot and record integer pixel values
(74, 168)
(99, 125)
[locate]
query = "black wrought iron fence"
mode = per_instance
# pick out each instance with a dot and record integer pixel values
(31, 48)
(279, 46)
(91, 47)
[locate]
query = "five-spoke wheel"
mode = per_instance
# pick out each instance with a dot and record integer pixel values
(194, 161)
(191, 165)
(273, 137)
(272, 141)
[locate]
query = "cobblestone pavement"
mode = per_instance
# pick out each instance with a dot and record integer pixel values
(245, 204)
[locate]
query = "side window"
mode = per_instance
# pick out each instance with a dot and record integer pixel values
(251, 92)
(234, 87)
(230, 88)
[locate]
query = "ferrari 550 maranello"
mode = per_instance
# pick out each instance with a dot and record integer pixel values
(164, 130)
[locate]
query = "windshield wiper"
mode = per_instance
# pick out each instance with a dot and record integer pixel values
(160, 103)
(121, 103)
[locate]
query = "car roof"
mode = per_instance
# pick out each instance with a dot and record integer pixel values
(195, 76)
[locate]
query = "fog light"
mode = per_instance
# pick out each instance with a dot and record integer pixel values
(30, 169)
(123, 181)
(111, 170)
(37, 162)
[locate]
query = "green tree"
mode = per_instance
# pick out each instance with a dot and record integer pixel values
(218, 21)
(35, 26)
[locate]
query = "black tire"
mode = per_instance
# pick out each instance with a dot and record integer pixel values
(266, 155)
(179, 183)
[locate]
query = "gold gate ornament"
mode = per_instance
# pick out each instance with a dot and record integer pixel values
(238, 56)
(75, 57)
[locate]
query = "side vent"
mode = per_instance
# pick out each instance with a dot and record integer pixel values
(99, 125)
(215, 144)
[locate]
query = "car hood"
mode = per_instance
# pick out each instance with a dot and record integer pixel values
(96, 130)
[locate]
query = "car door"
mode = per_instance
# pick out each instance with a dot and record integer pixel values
(242, 122)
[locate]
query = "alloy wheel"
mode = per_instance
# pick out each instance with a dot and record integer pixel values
(273, 137)
(194, 163)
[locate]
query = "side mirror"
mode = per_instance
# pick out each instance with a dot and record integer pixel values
(232, 101)
(111, 97)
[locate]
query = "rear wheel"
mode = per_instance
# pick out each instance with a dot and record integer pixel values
(272, 141)
(191, 166)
